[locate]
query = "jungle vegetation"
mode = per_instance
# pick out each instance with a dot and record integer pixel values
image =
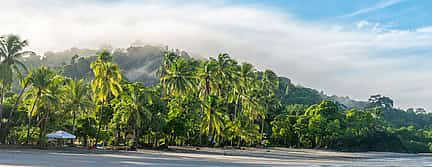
(188, 102)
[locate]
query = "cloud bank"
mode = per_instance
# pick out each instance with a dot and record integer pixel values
(338, 59)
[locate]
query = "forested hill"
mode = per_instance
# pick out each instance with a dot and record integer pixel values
(141, 63)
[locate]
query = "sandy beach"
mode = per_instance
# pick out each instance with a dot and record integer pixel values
(190, 156)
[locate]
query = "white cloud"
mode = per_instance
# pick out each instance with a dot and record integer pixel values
(354, 62)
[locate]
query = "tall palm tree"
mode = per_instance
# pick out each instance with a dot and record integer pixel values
(268, 84)
(245, 105)
(11, 47)
(76, 98)
(39, 80)
(206, 83)
(106, 82)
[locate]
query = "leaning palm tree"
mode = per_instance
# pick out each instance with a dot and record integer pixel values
(11, 47)
(106, 82)
(39, 80)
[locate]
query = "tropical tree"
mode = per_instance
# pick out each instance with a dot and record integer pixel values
(267, 99)
(50, 106)
(224, 72)
(11, 47)
(214, 118)
(39, 80)
(106, 82)
(283, 125)
(206, 84)
(168, 59)
(246, 83)
(178, 77)
(324, 123)
(76, 98)
(131, 109)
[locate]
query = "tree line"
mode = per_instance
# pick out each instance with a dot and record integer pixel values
(199, 102)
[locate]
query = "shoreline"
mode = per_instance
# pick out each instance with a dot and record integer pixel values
(205, 156)
(271, 152)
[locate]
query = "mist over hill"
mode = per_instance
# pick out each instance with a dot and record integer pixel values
(141, 63)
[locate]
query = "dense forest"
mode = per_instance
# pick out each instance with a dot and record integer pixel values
(147, 96)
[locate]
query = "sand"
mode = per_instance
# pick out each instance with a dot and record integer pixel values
(190, 156)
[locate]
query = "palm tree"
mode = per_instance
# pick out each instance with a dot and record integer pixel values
(10, 50)
(244, 85)
(243, 129)
(50, 103)
(224, 71)
(11, 47)
(76, 98)
(168, 59)
(268, 84)
(106, 82)
(214, 117)
(132, 107)
(179, 77)
(206, 83)
(40, 80)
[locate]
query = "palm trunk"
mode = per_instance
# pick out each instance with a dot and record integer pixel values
(73, 125)
(237, 105)
(201, 118)
(1, 109)
(1, 102)
(73, 122)
(262, 129)
(86, 136)
(29, 118)
(100, 123)
(209, 127)
(43, 127)
(262, 123)
(3, 85)
(17, 101)
(136, 133)
(9, 123)
(206, 92)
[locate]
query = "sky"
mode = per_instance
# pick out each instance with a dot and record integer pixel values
(354, 48)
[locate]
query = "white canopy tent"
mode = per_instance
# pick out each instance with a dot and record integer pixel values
(60, 135)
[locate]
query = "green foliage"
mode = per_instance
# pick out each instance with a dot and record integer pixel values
(213, 102)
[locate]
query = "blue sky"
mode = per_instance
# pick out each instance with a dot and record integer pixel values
(401, 14)
(353, 48)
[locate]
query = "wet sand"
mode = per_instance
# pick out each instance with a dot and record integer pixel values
(190, 156)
